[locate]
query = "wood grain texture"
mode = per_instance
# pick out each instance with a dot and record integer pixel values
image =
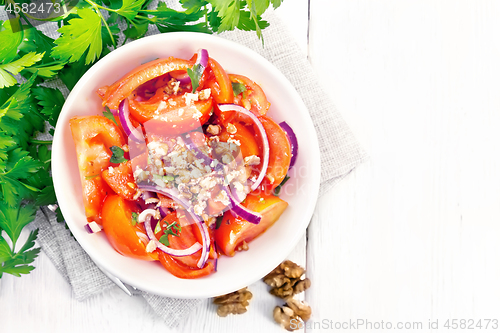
(411, 235)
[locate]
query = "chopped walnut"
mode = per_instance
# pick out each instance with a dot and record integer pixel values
(242, 247)
(172, 87)
(286, 281)
(292, 314)
(235, 302)
(213, 129)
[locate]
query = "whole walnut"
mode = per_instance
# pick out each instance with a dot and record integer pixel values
(286, 280)
(233, 303)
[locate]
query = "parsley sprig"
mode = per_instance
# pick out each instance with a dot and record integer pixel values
(29, 63)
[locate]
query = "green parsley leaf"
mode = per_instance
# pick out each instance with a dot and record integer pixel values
(117, 156)
(108, 114)
(18, 263)
(277, 190)
(195, 75)
(228, 11)
(238, 88)
(164, 240)
(71, 73)
(46, 70)
(8, 70)
(218, 221)
(51, 101)
(80, 35)
(276, 3)
(130, 8)
(168, 19)
(19, 168)
(135, 216)
(157, 227)
(14, 219)
(10, 42)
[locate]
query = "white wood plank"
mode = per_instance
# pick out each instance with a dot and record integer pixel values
(411, 235)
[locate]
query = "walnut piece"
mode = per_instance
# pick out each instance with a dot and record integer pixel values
(286, 281)
(292, 314)
(233, 303)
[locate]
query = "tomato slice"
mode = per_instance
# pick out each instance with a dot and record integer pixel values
(242, 134)
(140, 75)
(185, 238)
(120, 230)
(232, 231)
(254, 98)
(182, 271)
(121, 180)
(93, 136)
(279, 153)
(219, 83)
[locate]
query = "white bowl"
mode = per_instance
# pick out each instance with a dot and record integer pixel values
(301, 191)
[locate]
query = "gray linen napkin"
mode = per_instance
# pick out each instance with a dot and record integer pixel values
(340, 153)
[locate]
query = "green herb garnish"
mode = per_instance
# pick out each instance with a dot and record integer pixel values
(238, 88)
(173, 229)
(164, 240)
(108, 114)
(117, 156)
(135, 216)
(277, 190)
(195, 75)
(92, 177)
(218, 221)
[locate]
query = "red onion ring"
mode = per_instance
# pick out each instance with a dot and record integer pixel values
(262, 132)
(292, 138)
(173, 252)
(174, 194)
(242, 211)
(133, 133)
(201, 59)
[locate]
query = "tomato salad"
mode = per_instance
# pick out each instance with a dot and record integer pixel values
(184, 165)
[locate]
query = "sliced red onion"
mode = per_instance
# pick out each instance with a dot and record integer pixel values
(206, 240)
(92, 227)
(242, 211)
(173, 252)
(262, 132)
(294, 144)
(201, 58)
(163, 211)
(174, 194)
(133, 133)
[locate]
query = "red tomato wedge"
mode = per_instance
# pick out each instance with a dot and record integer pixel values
(233, 231)
(242, 134)
(254, 98)
(184, 239)
(120, 231)
(182, 271)
(140, 75)
(219, 83)
(279, 153)
(121, 180)
(93, 136)
(171, 116)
